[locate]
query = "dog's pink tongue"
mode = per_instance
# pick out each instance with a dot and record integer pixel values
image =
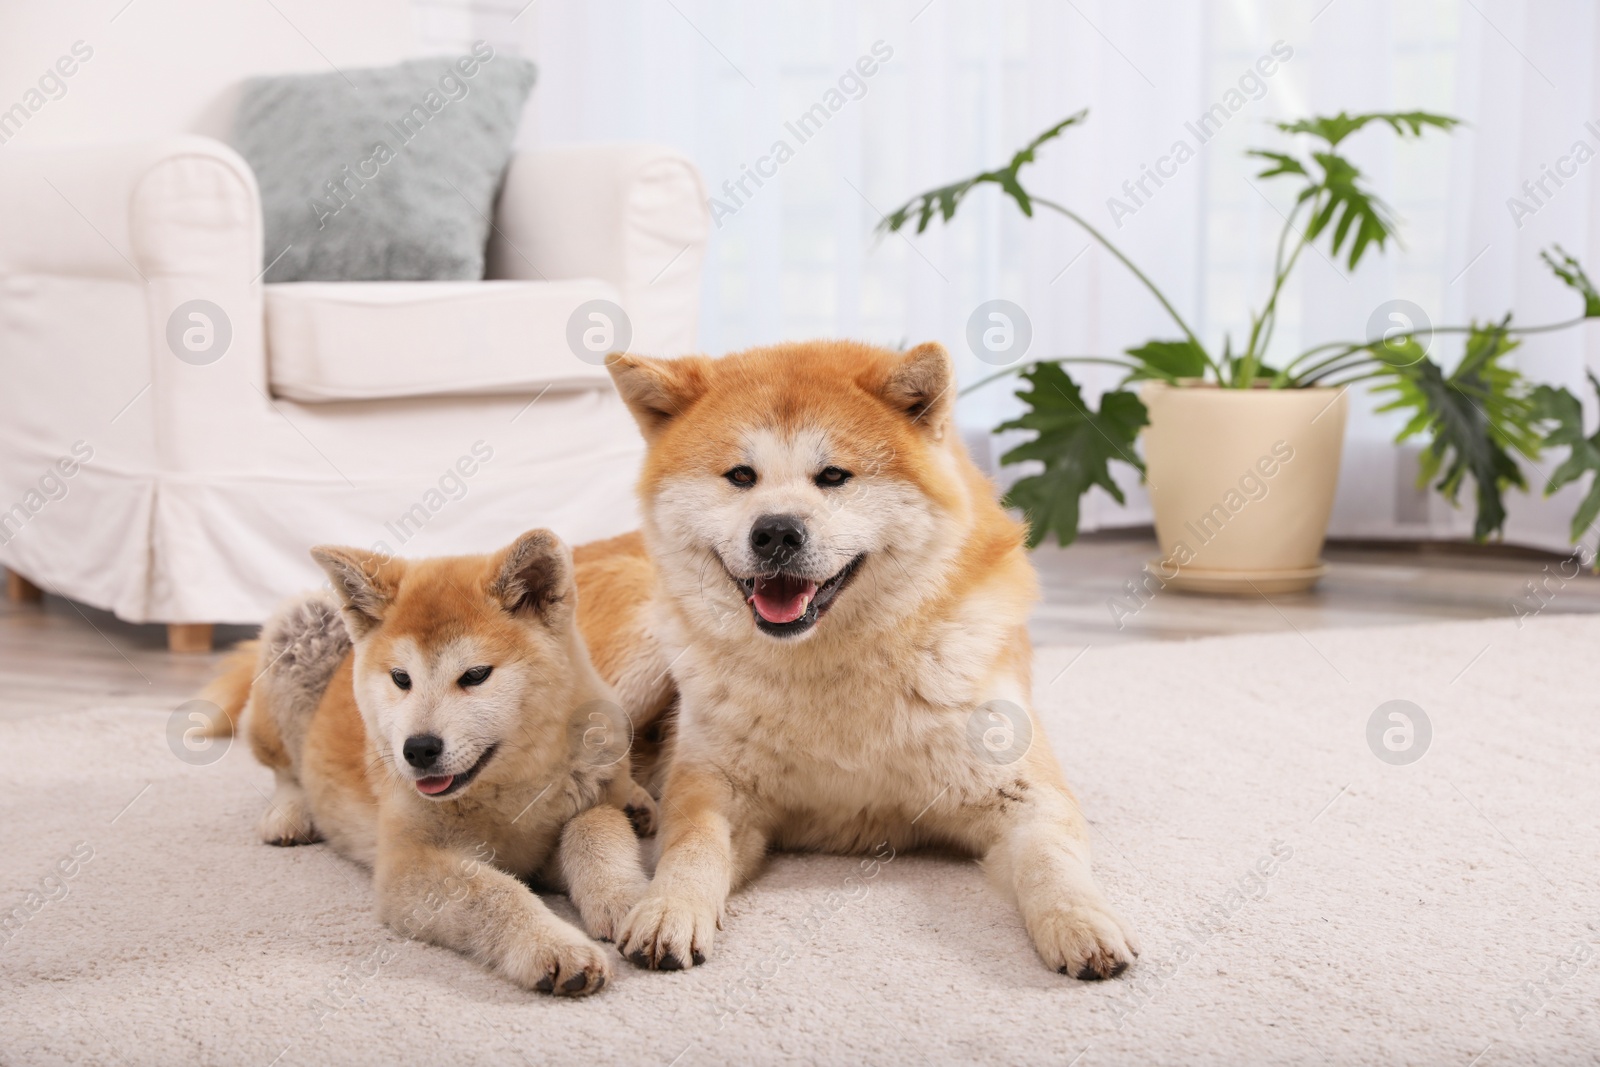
(439, 784)
(782, 599)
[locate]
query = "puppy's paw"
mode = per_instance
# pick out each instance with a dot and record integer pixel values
(603, 913)
(665, 933)
(640, 808)
(572, 967)
(1086, 941)
(288, 823)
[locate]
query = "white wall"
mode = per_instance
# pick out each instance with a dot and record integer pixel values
(970, 80)
(164, 66)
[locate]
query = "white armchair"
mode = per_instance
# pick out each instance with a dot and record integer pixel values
(143, 473)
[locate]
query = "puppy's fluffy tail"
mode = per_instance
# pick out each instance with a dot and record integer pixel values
(231, 689)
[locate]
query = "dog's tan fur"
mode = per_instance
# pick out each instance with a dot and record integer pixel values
(859, 732)
(328, 717)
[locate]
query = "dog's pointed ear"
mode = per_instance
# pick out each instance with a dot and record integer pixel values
(366, 583)
(923, 386)
(533, 579)
(657, 390)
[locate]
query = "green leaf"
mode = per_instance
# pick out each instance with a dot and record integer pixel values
(1168, 360)
(1473, 418)
(1244, 372)
(1571, 271)
(1282, 164)
(1399, 351)
(1335, 128)
(1359, 219)
(1555, 405)
(1076, 446)
(1355, 207)
(946, 198)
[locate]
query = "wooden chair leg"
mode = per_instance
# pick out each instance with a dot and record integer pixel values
(22, 591)
(188, 637)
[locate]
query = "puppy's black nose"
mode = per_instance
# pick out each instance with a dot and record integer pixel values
(777, 538)
(422, 750)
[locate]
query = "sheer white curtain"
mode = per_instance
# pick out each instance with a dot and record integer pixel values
(957, 85)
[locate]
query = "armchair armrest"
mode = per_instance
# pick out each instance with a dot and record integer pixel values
(632, 215)
(174, 206)
(99, 250)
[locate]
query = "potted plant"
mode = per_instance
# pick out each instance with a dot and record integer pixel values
(1241, 457)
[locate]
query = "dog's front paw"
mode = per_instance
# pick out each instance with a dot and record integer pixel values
(640, 808)
(286, 823)
(664, 933)
(1084, 940)
(603, 913)
(572, 967)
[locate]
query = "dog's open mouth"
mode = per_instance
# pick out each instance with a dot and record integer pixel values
(787, 604)
(443, 785)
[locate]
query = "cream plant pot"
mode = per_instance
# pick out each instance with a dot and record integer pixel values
(1242, 483)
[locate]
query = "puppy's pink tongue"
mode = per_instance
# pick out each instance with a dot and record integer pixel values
(439, 784)
(782, 599)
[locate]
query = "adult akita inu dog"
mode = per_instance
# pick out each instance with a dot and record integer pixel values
(842, 606)
(452, 734)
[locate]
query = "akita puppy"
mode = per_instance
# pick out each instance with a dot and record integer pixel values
(451, 733)
(829, 591)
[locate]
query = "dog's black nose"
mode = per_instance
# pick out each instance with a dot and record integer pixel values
(422, 750)
(777, 538)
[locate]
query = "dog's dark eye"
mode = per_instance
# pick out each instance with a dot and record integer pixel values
(476, 676)
(401, 678)
(832, 476)
(741, 476)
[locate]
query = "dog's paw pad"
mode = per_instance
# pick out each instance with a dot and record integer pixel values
(1097, 971)
(568, 970)
(641, 812)
(1086, 942)
(642, 819)
(664, 934)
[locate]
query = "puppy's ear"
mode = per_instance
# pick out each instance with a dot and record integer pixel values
(923, 387)
(657, 390)
(366, 584)
(533, 579)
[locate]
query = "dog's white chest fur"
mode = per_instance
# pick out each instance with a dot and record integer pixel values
(841, 754)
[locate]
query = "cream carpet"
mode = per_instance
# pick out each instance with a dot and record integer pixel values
(1440, 912)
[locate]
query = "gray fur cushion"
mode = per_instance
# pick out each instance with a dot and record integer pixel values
(387, 174)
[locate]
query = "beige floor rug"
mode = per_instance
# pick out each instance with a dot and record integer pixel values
(1302, 898)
